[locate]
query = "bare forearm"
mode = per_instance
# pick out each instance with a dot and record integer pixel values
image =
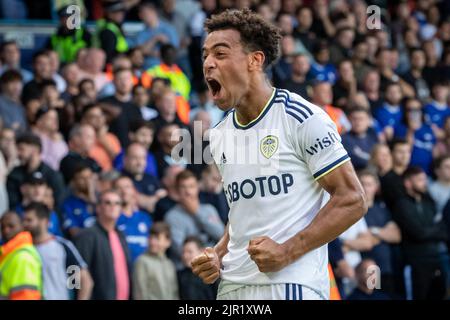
(362, 243)
(390, 233)
(86, 285)
(221, 247)
(335, 217)
(147, 202)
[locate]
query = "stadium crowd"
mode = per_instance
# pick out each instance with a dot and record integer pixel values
(93, 205)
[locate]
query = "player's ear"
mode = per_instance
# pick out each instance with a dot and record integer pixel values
(257, 59)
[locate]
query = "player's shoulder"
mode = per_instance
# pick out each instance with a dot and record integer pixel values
(297, 109)
(225, 121)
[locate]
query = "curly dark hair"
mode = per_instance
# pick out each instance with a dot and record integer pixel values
(256, 33)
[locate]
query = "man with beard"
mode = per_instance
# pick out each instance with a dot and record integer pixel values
(59, 256)
(422, 237)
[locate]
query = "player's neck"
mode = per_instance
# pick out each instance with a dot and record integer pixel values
(251, 106)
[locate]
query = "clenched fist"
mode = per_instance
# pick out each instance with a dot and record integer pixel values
(207, 266)
(268, 255)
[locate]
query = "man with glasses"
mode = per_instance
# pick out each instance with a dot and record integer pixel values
(105, 251)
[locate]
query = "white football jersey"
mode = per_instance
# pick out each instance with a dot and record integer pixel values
(270, 169)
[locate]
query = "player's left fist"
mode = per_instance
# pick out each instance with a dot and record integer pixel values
(268, 255)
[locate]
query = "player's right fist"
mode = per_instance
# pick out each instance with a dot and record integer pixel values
(207, 266)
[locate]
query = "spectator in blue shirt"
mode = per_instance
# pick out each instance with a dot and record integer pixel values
(321, 68)
(383, 229)
(360, 140)
(148, 186)
(141, 132)
(390, 113)
(156, 32)
(34, 189)
(438, 109)
(134, 223)
(420, 135)
(79, 208)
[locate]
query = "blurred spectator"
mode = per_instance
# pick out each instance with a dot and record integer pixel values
(46, 126)
(191, 218)
(79, 207)
(156, 33)
(168, 137)
(438, 109)
(388, 75)
(71, 75)
(110, 36)
(345, 88)
(422, 238)
(298, 82)
(42, 71)
(125, 111)
(168, 181)
(281, 70)
(199, 143)
(81, 141)
(191, 286)
(147, 185)
(361, 139)
(29, 152)
(371, 88)
(442, 146)
(302, 33)
(8, 148)
(105, 251)
(392, 182)
(381, 159)
(106, 146)
(211, 191)
(174, 17)
(415, 75)
(12, 112)
(34, 189)
(20, 263)
(355, 240)
(383, 229)
(67, 40)
(364, 273)
(440, 188)
(91, 65)
(359, 59)
(390, 113)
(168, 69)
(154, 276)
(4, 202)
(196, 28)
(141, 77)
(141, 98)
(54, 69)
(141, 132)
(340, 49)
(166, 104)
(322, 96)
(10, 60)
(205, 102)
(134, 223)
(418, 134)
(58, 256)
(321, 68)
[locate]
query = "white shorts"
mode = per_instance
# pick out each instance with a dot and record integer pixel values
(280, 291)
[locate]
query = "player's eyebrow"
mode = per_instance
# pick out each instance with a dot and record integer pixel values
(220, 44)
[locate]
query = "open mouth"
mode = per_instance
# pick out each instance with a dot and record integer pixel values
(214, 86)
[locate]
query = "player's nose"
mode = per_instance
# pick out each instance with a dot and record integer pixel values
(208, 63)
